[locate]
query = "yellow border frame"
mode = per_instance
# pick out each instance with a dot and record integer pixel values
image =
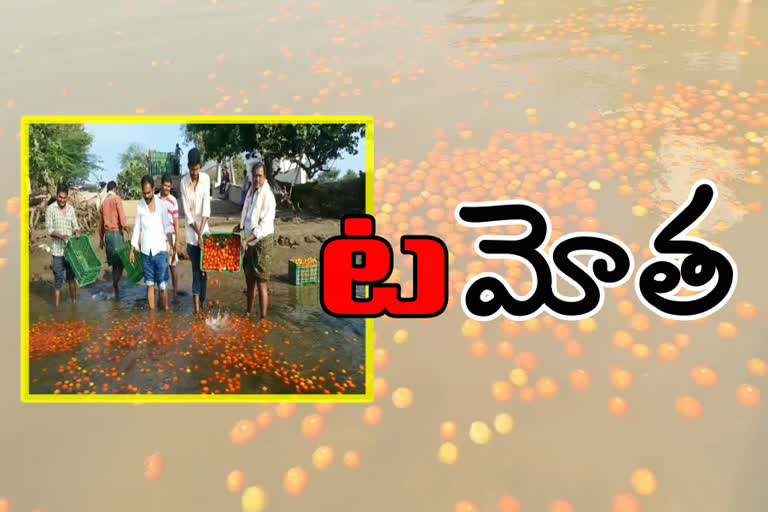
(145, 119)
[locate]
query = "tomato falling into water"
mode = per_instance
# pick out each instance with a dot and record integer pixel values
(221, 252)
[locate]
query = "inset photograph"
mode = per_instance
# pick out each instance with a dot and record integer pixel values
(178, 261)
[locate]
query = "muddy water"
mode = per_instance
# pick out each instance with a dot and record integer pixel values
(570, 447)
(304, 334)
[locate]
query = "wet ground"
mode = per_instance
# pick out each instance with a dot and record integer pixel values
(119, 346)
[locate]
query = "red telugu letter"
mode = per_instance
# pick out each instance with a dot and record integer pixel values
(357, 257)
(430, 279)
(340, 274)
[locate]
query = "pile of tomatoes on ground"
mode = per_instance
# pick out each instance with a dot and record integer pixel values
(305, 261)
(221, 253)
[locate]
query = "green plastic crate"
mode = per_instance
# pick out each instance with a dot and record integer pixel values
(223, 235)
(303, 274)
(134, 272)
(161, 163)
(81, 256)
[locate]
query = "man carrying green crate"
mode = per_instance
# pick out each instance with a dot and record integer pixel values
(111, 227)
(61, 222)
(258, 222)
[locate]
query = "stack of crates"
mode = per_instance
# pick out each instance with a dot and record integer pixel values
(81, 256)
(134, 272)
(161, 163)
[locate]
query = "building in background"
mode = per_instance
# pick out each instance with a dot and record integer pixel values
(288, 172)
(285, 172)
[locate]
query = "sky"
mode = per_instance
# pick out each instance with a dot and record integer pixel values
(109, 140)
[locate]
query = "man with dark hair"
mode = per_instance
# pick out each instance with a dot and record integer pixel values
(173, 227)
(196, 196)
(151, 237)
(257, 222)
(61, 222)
(112, 224)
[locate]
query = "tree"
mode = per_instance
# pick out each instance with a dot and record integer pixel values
(321, 144)
(328, 175)
(350, 175)
(134, 151)
(310, 146)
(134, 165)
(59, 153)
(238, 170)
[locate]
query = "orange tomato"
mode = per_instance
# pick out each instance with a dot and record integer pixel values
(305, 261)
(221, 252)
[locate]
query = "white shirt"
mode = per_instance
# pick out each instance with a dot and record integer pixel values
(102, 196)
(267, 224)
(149, 234)
(197, 204)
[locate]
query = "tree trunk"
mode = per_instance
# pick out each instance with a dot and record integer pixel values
(290, 192)
(36, 212)
(49, 185)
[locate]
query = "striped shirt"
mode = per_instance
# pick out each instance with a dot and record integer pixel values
(63, 222)
(173, 209)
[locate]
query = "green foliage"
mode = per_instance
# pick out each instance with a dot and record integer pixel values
(134, 165)
(350, 175)
(59, 153)
(321, 144)
(134, 151)
(332, 175)
(332, 199)
(328, 175)
(238, 168)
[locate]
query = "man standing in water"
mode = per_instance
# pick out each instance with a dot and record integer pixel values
(196, 196)
(61, 222)
(111, 226)
(258, 223)
(152, 238)
(173, 212)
